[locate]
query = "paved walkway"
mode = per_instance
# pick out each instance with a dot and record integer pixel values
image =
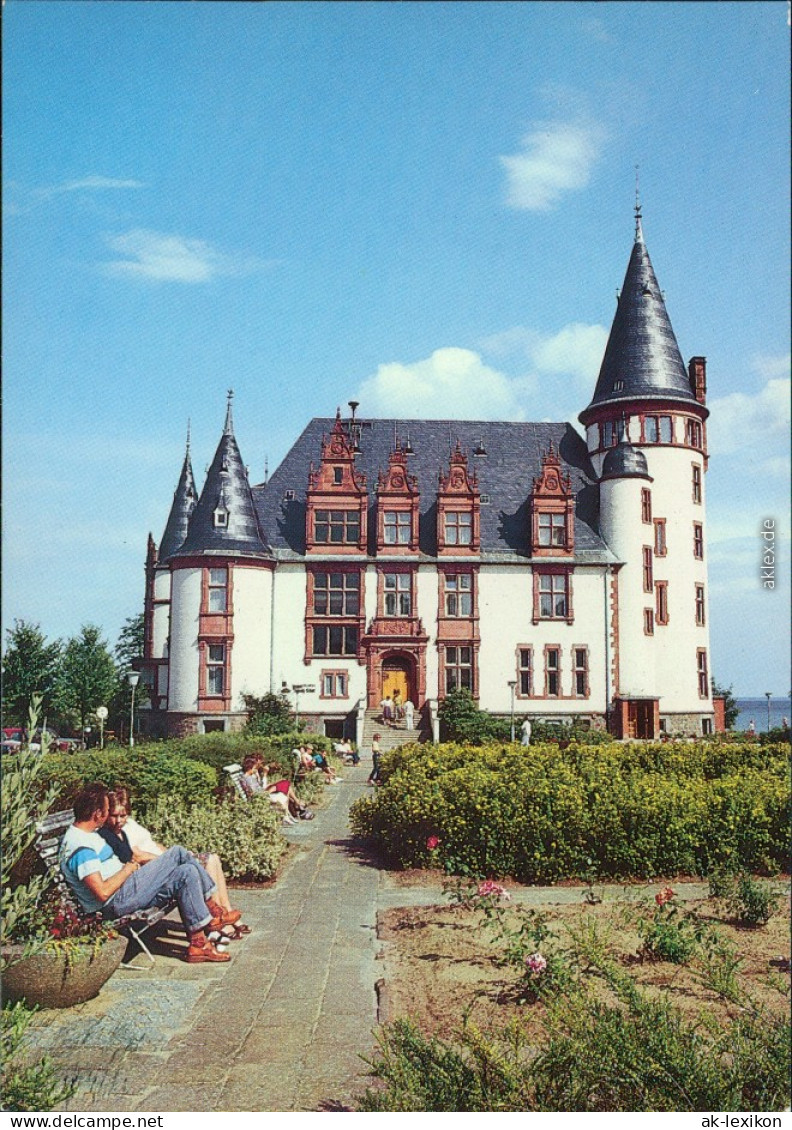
(279, 1028)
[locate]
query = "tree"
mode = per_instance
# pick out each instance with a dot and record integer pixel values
(30, 667)
(128, 653)
(129, 648)
(269, 714)
(87, 676)
(730, 707)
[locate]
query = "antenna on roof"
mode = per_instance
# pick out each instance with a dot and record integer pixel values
(638, 229)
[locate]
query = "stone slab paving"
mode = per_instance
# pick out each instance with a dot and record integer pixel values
(283, 1025)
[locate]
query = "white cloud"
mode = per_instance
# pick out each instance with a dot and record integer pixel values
(172, 258)
(576, 349)
(739, 421)
(451, 384)
(556, 157)
(89, 182)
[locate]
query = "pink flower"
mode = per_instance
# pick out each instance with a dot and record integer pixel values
(487, 887)
(536, 963)
(432, 842)
(664, 896)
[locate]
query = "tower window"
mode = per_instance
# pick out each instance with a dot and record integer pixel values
(693, 433)
(217, 590)
(658, 429)
(696, 482)
(648, 569)
(700, 605)
(660, 547)
(215, 669)
(646, 505)
(648, 622)
(611, 432)
(698, 541)
(661, 602)
(703, 677)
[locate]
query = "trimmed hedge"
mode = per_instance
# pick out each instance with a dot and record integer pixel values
(620, 810)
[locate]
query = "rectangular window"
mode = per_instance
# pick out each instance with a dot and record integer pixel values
(648, 622)
(334, 684)
(657, 429)
(341, 639)
(217, 590)
(337, 527)
(660, 537)
(336, 594)
(581, 672)
(703, 677)
(611, 432)
(398, 594)
(215, 669)
(648, 569)
(698, 541)
(458, 527)
(700, 605)
(338, 475)
(661, 602)
(458, 669)
(553, 596)
(696, 482)
(526, 671)
(459, 594)
(693, 433)
(552, 529)
(552, 672)
(397, 526)
(646, 505)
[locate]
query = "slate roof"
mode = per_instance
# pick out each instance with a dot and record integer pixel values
(184, 500)
(513, 459)
(642, 358)
(227, 486)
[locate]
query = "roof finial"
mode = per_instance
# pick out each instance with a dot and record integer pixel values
(638, 229)
(187, 452)
(229, 423)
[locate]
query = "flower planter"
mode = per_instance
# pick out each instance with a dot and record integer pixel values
(50, 980)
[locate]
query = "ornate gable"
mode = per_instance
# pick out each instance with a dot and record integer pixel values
(458, 508)
(552, 510)
(397, 506)
(336, 499)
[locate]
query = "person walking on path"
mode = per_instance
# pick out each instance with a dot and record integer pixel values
(409, 715)
(387, 710)
(525, 732)
(374, 775)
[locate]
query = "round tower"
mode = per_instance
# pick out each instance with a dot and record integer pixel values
(649, 411)
(221, 595)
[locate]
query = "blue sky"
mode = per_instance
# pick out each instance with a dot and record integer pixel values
(424, 206)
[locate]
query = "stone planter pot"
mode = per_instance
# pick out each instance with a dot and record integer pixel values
(48, 980)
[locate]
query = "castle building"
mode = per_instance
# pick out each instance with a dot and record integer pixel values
(554, 577)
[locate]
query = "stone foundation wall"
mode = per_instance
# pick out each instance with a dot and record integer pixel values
(685, 725)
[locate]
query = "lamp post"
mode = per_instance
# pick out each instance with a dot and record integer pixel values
(512, 685)
(101, 714)
(134, 679)
(768, 695)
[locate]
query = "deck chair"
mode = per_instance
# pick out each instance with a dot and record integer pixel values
(49, 833)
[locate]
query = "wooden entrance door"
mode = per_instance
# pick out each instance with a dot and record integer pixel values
(640, 720)
(396, 677)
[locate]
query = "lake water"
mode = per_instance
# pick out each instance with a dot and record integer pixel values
(756, 708)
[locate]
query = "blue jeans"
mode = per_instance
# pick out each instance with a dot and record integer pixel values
(173, 875)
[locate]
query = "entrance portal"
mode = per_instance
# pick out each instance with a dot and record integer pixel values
(396, 676)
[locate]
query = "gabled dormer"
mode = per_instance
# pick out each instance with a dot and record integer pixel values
(397, 506)
(336, 499)
(458, 508)
(552, 510)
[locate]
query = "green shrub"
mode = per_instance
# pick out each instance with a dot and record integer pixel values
(547, 813)
(751, 902)
(26, 1086)
(245, 834)
(147, 771)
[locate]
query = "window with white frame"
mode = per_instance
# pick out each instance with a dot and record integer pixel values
(696, 482)
(458, 526)
(398, 594)
(458, 669)
(552, 529)
(334, 684)
(458, 594)
(553, 596)
(698, 540)
(397, 527)
(658, 429)
(525, 670)
(217, 590)
(703, 675)
(700, 605)
(215, 669)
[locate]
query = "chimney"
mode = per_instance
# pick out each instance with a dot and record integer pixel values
(697, 372)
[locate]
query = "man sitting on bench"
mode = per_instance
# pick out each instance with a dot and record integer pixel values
(103, 884)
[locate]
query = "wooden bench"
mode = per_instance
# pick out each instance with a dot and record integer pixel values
(49, 833)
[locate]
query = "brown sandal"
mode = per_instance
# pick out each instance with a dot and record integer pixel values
(205, 952)
(234, 932)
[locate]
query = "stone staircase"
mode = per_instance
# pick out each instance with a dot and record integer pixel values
(391, 737)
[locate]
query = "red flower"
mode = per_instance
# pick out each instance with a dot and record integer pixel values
(664, 896)
(432, 842)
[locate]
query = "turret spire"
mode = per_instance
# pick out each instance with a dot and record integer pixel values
(638, 229)
(184, 500)
(228, 429)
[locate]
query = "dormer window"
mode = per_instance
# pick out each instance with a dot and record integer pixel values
(336, 499)
(458, 527)
(397, 527)
(221, 518)
(338, 476)
(397, 506)
(552, 529)
(552, 510)
(458, 508)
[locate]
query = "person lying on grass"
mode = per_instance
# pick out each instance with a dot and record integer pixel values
(103, 884)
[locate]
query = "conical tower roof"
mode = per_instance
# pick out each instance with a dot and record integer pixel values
(184, 500)
(642, 358)
(226, 491)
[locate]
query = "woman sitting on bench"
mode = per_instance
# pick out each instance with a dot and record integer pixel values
(254, 780)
